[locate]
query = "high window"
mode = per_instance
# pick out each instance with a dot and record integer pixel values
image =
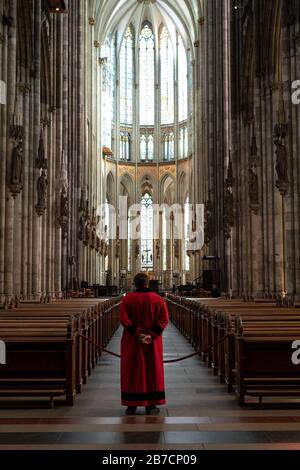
(182, 81)
(169, 146)
(167, 78)
(147, 74)
(108, 94)
(125, 145)
(147, 147)
(126, 78)
(141, 84)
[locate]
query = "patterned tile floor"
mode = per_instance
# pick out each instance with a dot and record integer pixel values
(199, 414)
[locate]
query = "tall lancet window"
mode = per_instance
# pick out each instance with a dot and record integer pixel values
(182, 81)
(147, 232)
(147, 74)
(108, 93)
(126, 78)
(167, 77)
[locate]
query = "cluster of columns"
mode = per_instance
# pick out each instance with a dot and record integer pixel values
(266, 138)
(250, 163)
(41, 141)
(244, 134)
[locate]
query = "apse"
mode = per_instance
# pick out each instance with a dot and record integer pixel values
(146, 86)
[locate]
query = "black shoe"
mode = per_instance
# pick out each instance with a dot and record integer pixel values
(131, 410)
(152, 410)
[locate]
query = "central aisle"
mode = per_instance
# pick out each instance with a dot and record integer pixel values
(199, 414)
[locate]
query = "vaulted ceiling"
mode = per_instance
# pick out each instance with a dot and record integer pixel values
(115, 15)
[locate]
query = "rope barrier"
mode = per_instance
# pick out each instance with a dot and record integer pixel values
(170, 361)
(99, 347)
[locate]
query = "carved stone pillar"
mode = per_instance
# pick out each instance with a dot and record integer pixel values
(11, 100)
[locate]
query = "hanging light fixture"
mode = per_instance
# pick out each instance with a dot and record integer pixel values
(56, 6)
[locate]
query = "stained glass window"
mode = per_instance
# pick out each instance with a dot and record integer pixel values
(181, 143)
(143, 147)
(108, 92)
(126, 78)
(147, 232)
(169, 146)
(182, 81)
(186, 142)
(147, 147)
(125, 146)
(147, 74)
(169, 56)
(113, 79)
(150, 147)
(167, 77)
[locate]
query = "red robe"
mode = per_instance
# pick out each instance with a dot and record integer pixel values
(142, 369)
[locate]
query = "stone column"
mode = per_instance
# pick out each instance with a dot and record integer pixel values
(36, 223)
(59, 131)
(11, 99)
(3, 136)
(25, 193)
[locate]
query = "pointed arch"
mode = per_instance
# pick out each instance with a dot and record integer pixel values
(127, 188)
(110, 189)
(167, 189)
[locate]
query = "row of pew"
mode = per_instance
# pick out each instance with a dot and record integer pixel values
(46, 355)
(255, 359)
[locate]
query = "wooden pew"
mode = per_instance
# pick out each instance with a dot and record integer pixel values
(40, 359)
(34, 325)
(263, 360)
(206, 321)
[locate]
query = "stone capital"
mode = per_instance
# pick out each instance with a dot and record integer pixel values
(24, 89)
(45, 122)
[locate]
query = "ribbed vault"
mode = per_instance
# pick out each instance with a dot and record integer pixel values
(115, 15)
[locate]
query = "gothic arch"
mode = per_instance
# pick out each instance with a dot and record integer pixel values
(127, 188)
(110, 189)
(147, 186)
(115, 15)
(167, 189)
(183, 190)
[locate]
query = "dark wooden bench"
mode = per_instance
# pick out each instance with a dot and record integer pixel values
(264, 325)
(35, 334)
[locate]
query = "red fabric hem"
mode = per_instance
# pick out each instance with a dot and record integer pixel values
(143, 403)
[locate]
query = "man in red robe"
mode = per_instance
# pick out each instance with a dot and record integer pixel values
(144, 316)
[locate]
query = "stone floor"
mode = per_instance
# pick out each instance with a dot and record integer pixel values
(199, 414)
